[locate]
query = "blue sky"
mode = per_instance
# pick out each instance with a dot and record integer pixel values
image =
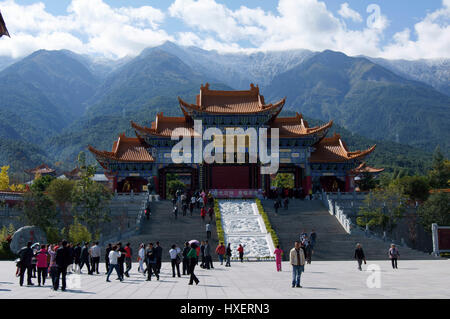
(116, 28)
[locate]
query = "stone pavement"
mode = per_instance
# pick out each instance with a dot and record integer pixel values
(322, 279)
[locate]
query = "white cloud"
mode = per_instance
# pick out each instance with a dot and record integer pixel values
(306, 24)
(90, 26)
(433, 38)
(348, 13)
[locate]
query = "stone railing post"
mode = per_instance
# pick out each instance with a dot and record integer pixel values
(434, 231)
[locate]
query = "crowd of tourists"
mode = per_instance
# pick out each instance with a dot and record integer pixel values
(57, 260)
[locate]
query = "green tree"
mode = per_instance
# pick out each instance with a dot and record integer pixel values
(283, 180)
(90, 199)
(60, 191)
(435, 210)
(39, 210)
(78, 233)
(41, 183)
(382, 208)
(174, 185)
(54, 235)
(416, 188)
(367, 182)
(440, 172)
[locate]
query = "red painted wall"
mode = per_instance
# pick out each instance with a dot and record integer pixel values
(230, 177)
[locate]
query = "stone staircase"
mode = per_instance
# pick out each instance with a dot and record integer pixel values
(333, 243)
(163, 227)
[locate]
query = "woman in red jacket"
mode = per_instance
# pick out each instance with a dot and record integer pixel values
(42, 266)
(203, 213)
(241, 252)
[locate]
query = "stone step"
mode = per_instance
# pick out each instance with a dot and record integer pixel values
(163, 227)
(333, 243)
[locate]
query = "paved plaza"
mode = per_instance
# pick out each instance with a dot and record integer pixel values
(322, 279)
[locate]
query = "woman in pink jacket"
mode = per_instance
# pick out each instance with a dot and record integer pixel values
(278, 253)
(41, 264)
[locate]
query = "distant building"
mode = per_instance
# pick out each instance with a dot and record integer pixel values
(42, 170)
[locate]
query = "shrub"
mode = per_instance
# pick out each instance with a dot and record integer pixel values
(219, 227)
(265, 218)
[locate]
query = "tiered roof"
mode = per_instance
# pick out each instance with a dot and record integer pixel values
(42, 169)
(333, 149)
(230, 102)
(364, 168)
(296, 126)
(165, 125)
(125, 149)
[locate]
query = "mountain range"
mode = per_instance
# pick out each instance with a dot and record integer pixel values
(54, 103)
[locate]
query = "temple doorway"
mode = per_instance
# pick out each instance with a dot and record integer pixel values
(331, 184)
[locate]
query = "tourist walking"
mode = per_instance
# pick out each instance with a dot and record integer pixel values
(313, 238)
(52, 264)
(202, 254)
(150, 256)
(297, 260)
(211, 213)
(95, 253)
(286, 203)
(121, 259)
(158, 252)
(186, 259)
(241, 252)
(128, 258)
(175, 211)
(192, 204)
(42, 265)
(192, 256)
(276, 206)
(208, 231)
(113, 258)
(141, 257)
(26, 255)
(203, 213)
(175, 259)
(220, 251)
(77, 257)
(62, 259)
(84, 258)
(228, 255)
(35, 248)
(393, 255)
(208, 258)
(278, 253)
(107, 251)
(308, 251)
(359, 255)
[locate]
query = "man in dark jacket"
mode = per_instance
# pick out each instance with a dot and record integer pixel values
(25, 255)
(151, 259)
(84, 258)
(121, 259)
(158, 253)
(359, 255)
(186, 259)
(63, 260)
(108, 249)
